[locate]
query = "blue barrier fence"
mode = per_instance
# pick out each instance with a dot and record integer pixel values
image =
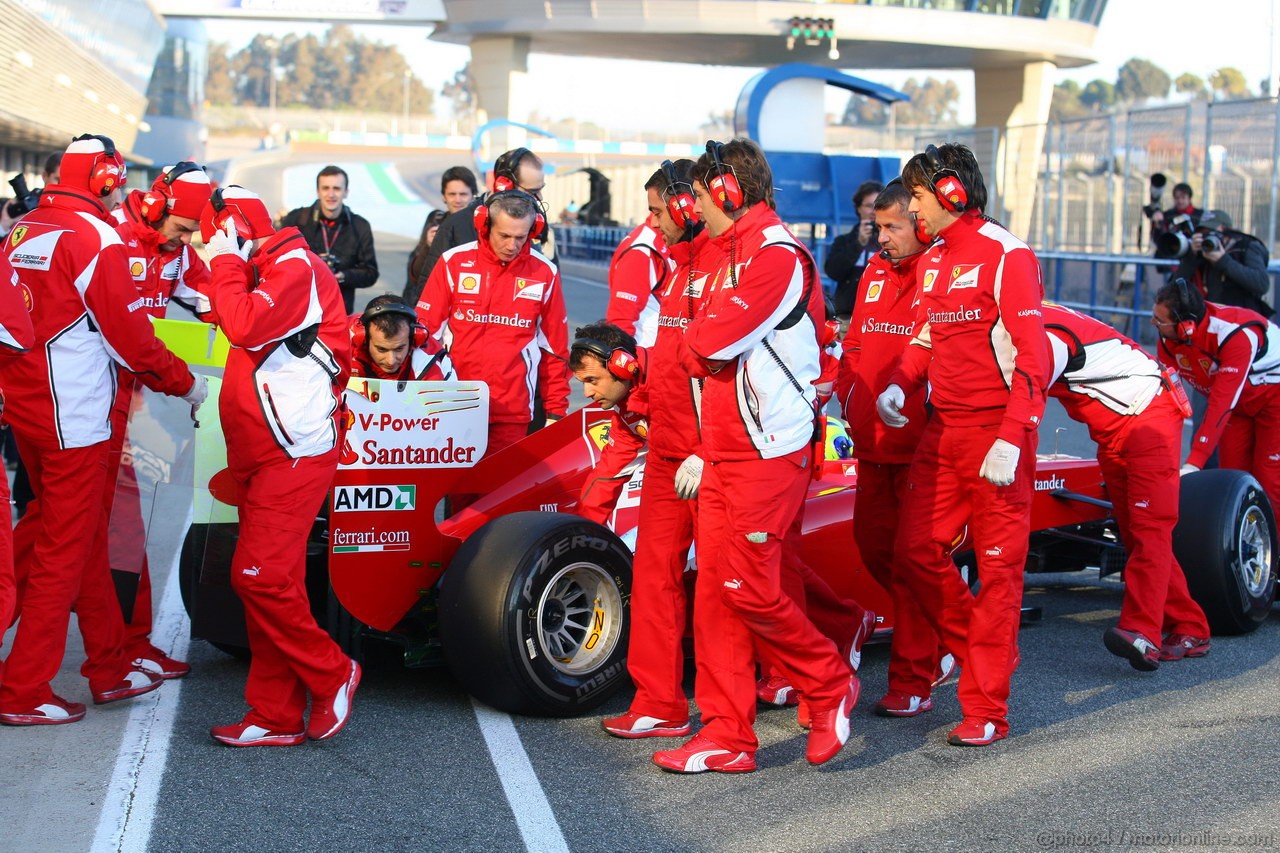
(1119, 289)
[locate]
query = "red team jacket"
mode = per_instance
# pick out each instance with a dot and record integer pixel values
(1093, 362)
(290, 351)
(673, 426)
(87, 317)
(16, 334)
(502, 324)
(1233, 355)
(628, 432)
(750, 408)
(637, 271)
(982, 318)
(883, 323)
(179, 275)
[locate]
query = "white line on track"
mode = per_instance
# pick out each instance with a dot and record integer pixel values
(534, 817)
(130, 805)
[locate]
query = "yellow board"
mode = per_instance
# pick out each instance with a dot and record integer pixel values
(198, 344)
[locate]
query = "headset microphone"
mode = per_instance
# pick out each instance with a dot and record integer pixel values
(885, 256)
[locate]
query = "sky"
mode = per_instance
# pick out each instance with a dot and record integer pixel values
(1177, 35)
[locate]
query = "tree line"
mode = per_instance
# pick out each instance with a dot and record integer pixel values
(1140, 80)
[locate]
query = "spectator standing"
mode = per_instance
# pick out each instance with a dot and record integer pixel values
(342, 239)
(1228, 266)
(851, 252)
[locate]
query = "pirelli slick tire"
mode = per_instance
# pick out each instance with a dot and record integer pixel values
(535, 614)
(1226, 543)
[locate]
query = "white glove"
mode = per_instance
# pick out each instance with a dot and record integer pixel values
(689, 478)
(1001, 464)
(197, 395)
(1187, 469)
(550, 420)
(226, 242)
(889, 404)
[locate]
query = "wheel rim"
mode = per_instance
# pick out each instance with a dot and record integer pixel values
(1253, 541)
(579, 618)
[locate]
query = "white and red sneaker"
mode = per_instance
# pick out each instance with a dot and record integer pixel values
(153, 660)
(776, 690)
(895, 704)
(866, 627)
(55, 712)
(135, 683)
(829, 728)
(948, 670)
(701, 754)
(634, 725)
(248, 734)
(975, 731)
(330, 713)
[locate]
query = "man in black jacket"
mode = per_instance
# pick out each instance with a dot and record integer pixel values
(1230, 267)
(850, 252)
(341, 238)
(519, 169)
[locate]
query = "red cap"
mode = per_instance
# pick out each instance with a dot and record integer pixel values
(92, 163)
(186, 189)
(243, 207)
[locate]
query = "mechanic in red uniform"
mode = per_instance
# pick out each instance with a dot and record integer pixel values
(281, 309)
(980, 339)
(16, 338)
(499, 309)
(756, 348)
(883, 323)
(655, 656)
(1232, 356)
(86, 314)
(156, 226)
(611, 368)
(388, 342)
(1135, 413)
(637, 272)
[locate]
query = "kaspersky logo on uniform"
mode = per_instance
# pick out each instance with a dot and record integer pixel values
(370, 498)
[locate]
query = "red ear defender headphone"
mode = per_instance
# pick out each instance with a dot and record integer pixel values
(622, 364)
(504, 170)
(222, 212)
(108, 170)
(724, 187)
(360, 332)
(155, 201)
(679, 201)
(481, 216)
(1186, 320)
(945, 183)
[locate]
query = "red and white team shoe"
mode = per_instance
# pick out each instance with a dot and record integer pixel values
(1179, 646)
(136, 682)
(1142, 654)
(248, 734)
(895, 704)
(633, 725)
(866, 627)
(55, 712)
(701, 754)
(975, 731)
(776, 690)
(829, 728)
(948, 670)
(330, 713)
(156, 661)
(804, 716)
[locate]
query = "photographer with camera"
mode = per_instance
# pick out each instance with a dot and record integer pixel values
(850, 253)
(342, 239)
(1229, 267)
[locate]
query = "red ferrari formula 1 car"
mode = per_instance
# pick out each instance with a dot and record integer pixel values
(528, 604)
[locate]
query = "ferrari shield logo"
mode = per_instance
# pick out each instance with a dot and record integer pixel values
(599, 434)
(17, 235)
(964, 276)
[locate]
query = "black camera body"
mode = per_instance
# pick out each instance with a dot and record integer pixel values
(1155, 191)
(1176, 242)
(24, 200)
(1211, 242)
(331, 260)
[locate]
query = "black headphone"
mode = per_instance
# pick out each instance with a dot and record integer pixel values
(504, 169)
(1184, 314)
(945, 183)
(418, 337)
(724, 187)
(621, 363)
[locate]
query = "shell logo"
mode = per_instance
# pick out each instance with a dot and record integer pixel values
(873, 292)
(136, 268)
(929, 277)
(26, 297)
(469, 283)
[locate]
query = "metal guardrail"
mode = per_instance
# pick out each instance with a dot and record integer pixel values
(1118, 289)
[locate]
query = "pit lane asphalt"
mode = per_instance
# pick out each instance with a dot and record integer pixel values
(1097, 751)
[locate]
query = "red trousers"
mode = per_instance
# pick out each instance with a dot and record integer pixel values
(945, 493)
(53, 548)
(1251, 440)
(292, 655)
(1140, 467)
(126, 535)
(8, 584)
(655, 656)
(914, 652)
(745, 508)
